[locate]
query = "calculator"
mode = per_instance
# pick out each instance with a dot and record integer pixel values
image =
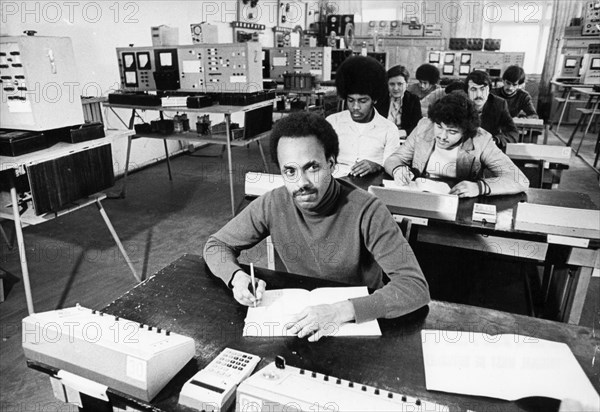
(213, 388)
(484, 213)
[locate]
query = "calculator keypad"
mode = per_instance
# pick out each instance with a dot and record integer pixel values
(231, 363)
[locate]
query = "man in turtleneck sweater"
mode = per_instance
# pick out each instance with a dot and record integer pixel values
(323, 228)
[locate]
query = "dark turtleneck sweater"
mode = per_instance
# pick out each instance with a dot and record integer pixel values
(350, 237)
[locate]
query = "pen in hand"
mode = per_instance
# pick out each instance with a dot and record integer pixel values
(253, 282)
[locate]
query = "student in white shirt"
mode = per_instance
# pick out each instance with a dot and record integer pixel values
(366, 138)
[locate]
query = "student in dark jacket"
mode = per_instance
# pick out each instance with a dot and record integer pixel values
(400, 106)
(493, 110)
(518, 100)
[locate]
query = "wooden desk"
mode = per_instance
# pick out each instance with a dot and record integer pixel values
(572, 262)
(528, 126)
(185, 298)
(225, 139)
(9, 206)
(534, 160)
(572, 259)
(565, 98)
(590, 110)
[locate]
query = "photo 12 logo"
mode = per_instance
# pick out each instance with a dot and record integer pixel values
(68, 332)
(473, 11)
(71, 12)
(50, 92)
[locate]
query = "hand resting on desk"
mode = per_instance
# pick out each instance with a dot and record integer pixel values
(465, 189)
(364, 167)
(317, 321)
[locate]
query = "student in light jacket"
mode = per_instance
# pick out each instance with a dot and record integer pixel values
(449, 145)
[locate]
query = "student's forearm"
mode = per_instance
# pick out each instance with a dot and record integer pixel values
(221, 259)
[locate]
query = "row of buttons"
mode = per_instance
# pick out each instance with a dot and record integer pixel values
(141, 325)
(364, 388)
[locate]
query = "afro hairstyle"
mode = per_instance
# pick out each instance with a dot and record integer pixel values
(361, 75)
(428, 73)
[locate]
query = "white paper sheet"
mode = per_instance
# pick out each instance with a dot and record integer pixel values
(504, 366)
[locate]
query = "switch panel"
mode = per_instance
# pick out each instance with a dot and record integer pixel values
(38, 79)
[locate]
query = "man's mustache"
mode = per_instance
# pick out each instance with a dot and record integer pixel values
(303, 192)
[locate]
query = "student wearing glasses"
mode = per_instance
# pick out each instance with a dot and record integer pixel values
(450, 146)
(518, 100)
(400, 106)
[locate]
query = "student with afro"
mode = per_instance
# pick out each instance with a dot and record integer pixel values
(428, 76)
(366, 137)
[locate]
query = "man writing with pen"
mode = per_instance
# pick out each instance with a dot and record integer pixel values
(324, 228)
(366, 137)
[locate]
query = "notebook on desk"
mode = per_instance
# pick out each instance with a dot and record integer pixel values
(278, 306)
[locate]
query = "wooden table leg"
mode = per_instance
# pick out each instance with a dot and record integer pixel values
(116, 238)
(562, 113)
(124, 189)
(262, 154)
(21, 243)
(167, 157)
(229, 161)
(576, 294)
(581, 119)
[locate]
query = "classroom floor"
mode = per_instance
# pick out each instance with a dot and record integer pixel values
(73, 259)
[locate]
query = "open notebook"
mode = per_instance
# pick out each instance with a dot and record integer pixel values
(421, 184)
(279, 305)
(505, 366)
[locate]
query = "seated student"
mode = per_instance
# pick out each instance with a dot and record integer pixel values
(495, 117)
(400, 106)
(428, 76)
(450, 146)
(438, 94)
(324, 228)
(518, 100)
(366, 137)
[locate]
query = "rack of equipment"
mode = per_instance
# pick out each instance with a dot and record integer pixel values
(199, 68)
